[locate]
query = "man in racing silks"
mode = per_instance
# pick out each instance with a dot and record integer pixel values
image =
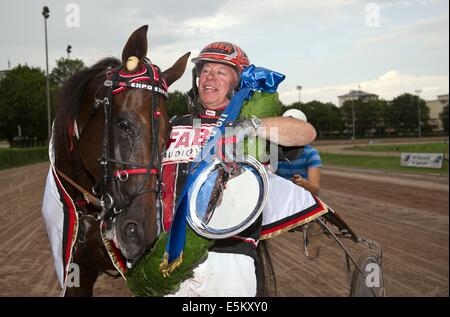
(229, 269)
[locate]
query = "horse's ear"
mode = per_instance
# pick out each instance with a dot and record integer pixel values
(135, 50)
(176, 71)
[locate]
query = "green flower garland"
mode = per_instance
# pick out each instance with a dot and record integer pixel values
(261, 105)
(146, 277)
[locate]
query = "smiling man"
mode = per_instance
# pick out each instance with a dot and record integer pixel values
(229, 269)
(214, 85)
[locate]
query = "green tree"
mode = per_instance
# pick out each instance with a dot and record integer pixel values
(404, 114)
(347, 116)
(444, 117)
(325, 117)
(23, 102)
(177, 104)
(370, 117)
(64, 69)
(367, 116)
(361, 120)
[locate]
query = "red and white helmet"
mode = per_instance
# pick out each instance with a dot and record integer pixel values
(217, 52)
(225, 53)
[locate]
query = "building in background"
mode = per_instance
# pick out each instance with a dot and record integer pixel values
(356, 95)
(436, 106)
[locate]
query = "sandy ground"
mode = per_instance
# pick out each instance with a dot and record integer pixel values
(407, 214)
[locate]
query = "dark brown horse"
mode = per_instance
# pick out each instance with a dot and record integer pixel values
(109, 132)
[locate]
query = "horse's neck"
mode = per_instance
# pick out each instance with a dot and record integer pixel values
(69, 163)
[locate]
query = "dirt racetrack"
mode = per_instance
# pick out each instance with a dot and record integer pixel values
(407, 214)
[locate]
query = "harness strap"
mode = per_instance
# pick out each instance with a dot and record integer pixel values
(135, 83)
(90, 199)
(122, 175)
(118, 81)
(136, 171)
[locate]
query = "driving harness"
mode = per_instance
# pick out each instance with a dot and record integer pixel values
(148, 77)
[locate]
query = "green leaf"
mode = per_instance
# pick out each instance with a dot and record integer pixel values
(146, 278)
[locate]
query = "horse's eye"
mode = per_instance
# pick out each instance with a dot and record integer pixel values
(125, 125)
(131, 230)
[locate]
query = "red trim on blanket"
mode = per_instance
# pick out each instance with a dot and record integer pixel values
(295, 220)
(71, 208)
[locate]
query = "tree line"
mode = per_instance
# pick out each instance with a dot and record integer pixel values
(23, 106)
(373, 118)
(23, 101)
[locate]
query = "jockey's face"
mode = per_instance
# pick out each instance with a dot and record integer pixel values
(215, 81)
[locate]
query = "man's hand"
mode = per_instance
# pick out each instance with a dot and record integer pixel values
(297, 180)
(246, 128)
(231, 145)
(312, 183)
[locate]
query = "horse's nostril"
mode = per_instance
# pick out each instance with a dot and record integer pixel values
(131, 230)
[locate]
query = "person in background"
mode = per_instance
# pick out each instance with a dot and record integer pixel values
(301, 164)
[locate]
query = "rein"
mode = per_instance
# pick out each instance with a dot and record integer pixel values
(90, 199)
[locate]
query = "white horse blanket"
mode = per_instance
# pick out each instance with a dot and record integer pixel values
(288, 206)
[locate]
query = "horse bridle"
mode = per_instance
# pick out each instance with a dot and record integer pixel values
(117, 80)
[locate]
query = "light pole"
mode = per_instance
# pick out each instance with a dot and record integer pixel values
(418, 91)
(299, 88)
(46, 15)
(68, 50)
(353, 118)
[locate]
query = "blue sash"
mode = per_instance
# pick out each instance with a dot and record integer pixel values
(252, 78)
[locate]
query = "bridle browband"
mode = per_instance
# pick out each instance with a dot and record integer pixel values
(117, 81)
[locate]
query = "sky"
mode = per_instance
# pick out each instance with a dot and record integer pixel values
(328, 47)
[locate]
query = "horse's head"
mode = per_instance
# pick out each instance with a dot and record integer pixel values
(135, 130)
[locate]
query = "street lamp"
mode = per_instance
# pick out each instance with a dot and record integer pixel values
(418, 92)
(68, 50)
(299, 88)
(353, 118)
(46, 15)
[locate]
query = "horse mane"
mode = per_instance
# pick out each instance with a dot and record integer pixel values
(71, 95)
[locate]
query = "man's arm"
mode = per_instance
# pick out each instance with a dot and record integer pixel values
(290, 131)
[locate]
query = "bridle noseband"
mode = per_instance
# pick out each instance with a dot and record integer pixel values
(117, 81)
